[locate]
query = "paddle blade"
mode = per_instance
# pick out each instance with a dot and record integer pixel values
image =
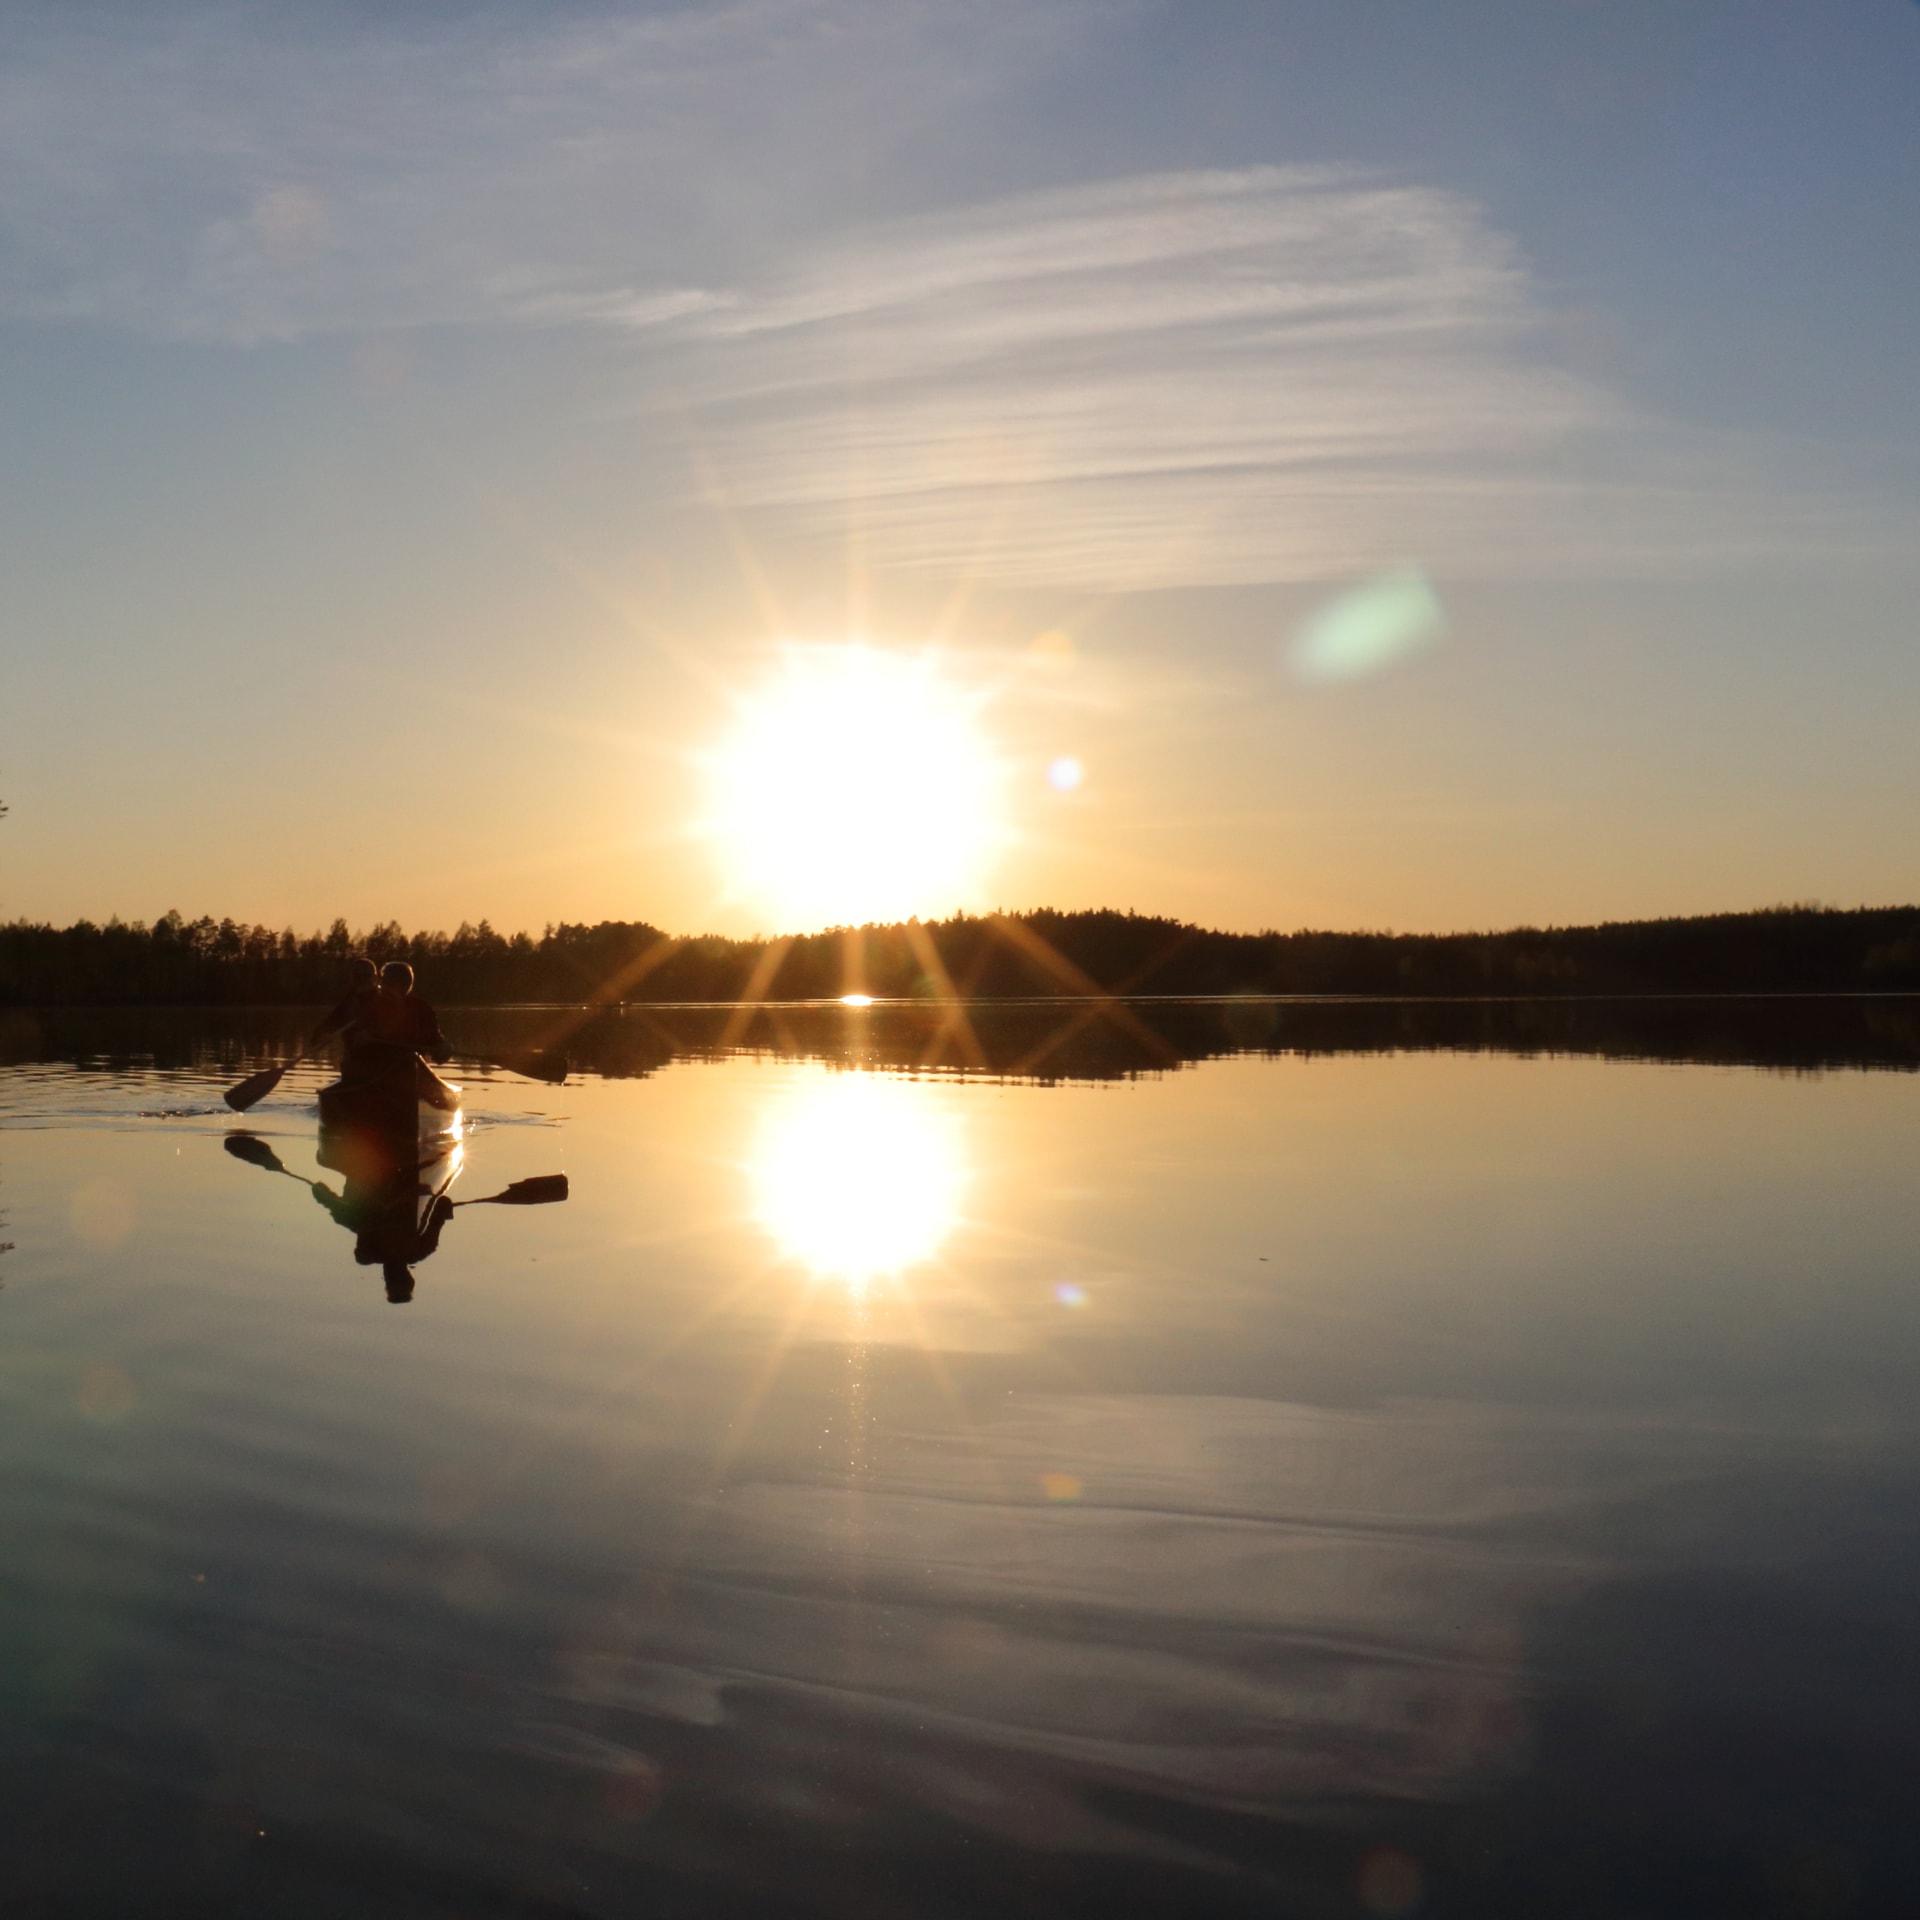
(243, 1146)
(551, 1067)
(539, 1191)
(249, 1091)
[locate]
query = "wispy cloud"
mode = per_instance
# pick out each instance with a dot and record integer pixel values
(215, 172)
(1203, 377)
(1268, 374)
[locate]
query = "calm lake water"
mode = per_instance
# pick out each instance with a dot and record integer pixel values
(1269, 1459)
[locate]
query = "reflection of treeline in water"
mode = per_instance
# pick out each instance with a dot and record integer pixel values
(1105, 1040)
(1040, 1041)
(207, 962)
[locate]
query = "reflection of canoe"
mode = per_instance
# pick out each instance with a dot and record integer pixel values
(394, 1132)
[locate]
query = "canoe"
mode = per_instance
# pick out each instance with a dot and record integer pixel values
(392, 1117)
(391, 1090)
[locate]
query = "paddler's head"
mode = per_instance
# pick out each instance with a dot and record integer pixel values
(361, 973)
(397, 977)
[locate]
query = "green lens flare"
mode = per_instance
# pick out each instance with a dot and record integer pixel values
(1369, 628)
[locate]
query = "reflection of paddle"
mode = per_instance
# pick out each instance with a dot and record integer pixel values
(253, 1090)
(536, 1191)
(256, 1152)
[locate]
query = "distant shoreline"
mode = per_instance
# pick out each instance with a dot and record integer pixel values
(882, 1004)
(1042, 955)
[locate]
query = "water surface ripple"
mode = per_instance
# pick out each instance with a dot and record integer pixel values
(1230, 1457)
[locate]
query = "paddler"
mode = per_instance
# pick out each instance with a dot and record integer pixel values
(357, 1019)
(406, 1020)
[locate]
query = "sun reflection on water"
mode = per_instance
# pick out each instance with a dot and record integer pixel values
(858, 1177)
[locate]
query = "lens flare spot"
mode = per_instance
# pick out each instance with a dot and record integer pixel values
(1070, 1295)
(1389, 1883)
(1066, 774)
(473, 1584)
(856, 999)
(857, 1177)
(1062, 1486)
(633, 1791)
(106, 1394)
(102, 1213)
(1369, 628)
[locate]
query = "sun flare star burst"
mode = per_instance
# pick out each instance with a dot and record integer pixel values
(856, 785)
(857, 1177)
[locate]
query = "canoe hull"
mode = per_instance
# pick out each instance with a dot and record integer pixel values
(381, 1125)
(387, 1092)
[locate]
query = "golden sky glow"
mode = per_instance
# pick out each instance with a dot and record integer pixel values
(1419, 499)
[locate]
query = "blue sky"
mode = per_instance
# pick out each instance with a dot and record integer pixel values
(399, 397)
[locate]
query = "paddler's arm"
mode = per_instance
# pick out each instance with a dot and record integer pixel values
(334, 1021)
(435, 1042)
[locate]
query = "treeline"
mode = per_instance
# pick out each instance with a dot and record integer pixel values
(213, 963)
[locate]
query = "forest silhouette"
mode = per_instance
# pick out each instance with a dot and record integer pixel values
(203, 962)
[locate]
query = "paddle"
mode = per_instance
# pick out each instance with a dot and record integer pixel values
(256, 1088)
(536, 1191)
(549, 1067)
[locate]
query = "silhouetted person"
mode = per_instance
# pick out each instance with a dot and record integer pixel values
(356, 1019)
(405, 1019)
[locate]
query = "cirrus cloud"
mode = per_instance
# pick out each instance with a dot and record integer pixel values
(1275, 373)
(1164, 379)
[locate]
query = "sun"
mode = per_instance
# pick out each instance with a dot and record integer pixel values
(856, 785)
